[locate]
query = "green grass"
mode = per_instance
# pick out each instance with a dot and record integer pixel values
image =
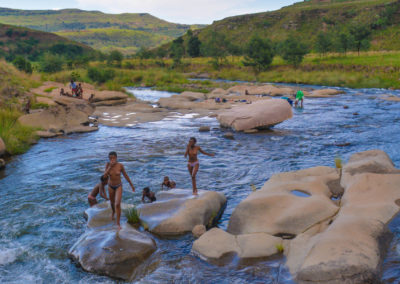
(280, 248)
(132, 214)
(49, 90)
(39, 106)
(17, 138)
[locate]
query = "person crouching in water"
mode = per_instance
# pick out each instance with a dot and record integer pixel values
(99, 188)
(151, 196)
(299, 98)
(193, 164)
(169, 184)
(113, 172)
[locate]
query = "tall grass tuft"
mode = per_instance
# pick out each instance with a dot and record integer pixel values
(132, 214)
(17, 137)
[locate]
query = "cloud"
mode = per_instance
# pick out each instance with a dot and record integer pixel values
(189, 11)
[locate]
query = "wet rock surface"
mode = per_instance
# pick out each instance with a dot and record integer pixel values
(105, 250)
(178, 211)
(342, 241)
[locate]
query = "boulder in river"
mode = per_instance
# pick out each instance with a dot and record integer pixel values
(2, 147)
(105, 250)
(260, 115)
(324, 93)
(178, 211)
(329, 241)
(2, 164)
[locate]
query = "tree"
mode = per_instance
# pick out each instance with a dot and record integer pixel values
(177, 50)
(345, 41)
(115, 56)
(259, 54)
(293, 51)
(193, 45)
(216, 46)
(323, 43)
(50, 63)
(22, 64)
(361, 33)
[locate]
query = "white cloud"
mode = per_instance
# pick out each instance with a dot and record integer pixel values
(181, 11)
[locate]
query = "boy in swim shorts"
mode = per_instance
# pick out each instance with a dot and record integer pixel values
(99, 188)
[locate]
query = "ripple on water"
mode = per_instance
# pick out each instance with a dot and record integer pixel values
(45, 189)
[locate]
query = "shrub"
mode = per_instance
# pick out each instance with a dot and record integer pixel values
(293, 51)
(132, 214)
(22, 64)
(50, 63)
(280, 248)
(100, 75)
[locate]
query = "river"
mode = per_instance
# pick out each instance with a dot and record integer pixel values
(44, 191)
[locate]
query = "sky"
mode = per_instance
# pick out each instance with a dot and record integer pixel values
(177, 11)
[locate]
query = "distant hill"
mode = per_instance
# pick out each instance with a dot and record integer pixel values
(306, 19)
(32, 44)
(126, 32)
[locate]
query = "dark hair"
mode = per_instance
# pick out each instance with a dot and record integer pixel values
(113, 153)
(146, 189)
(103, 178)
(194, 139)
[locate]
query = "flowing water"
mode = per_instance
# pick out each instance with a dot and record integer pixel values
(44, 192)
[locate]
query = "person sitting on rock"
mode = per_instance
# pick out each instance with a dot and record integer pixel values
(173, 184)
(27, 107)
(168, 183)
(91, 98)
(99, 188)
(149, 195)
(62, 92)
(299, 98)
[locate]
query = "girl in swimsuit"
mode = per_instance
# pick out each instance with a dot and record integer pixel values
(193, 164)
(113, 171)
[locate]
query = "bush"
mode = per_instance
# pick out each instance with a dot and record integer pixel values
(132, 215)
(22, 64)
(293, 50)
(50, 63)
(100, 75)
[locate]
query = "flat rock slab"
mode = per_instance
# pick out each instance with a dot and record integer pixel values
(260, 114)
(178, 211)
(112, 253)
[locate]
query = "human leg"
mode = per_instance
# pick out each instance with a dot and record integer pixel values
(111, 193)
(118, 198)
(194, 173)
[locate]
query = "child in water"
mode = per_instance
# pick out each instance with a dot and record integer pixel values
(99, 188)
(151, 196)
(168, 183)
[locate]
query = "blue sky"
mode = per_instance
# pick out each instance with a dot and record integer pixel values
(178, 11)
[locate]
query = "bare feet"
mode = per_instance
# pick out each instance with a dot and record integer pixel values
(113, 216)
(119, 227)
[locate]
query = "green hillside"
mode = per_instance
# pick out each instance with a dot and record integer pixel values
(306, 19)
(31, 44)
(112, 30)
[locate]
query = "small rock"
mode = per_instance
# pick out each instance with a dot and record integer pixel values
(204, 129)
(248, 131)
(46, 134)
(198, 231)
(355, 113)
(213, 115)
(345, 107)
(2, 164)
(343, 144)
(229, 135)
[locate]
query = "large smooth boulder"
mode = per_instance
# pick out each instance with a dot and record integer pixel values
(112, 253)
(373, 161)
(216, 245)
(192, 96)
(178, 211)
(2, 147)
(277, 210)
(105, 250)
(259, 114)
(109, 96)
(352, 247)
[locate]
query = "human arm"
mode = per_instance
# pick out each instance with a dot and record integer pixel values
(127, 177)
(205, 153)
(102, 192)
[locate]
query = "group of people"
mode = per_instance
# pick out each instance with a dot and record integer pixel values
(112, 179)
(76, 90)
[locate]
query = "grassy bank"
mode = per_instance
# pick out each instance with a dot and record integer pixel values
(369, 70)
